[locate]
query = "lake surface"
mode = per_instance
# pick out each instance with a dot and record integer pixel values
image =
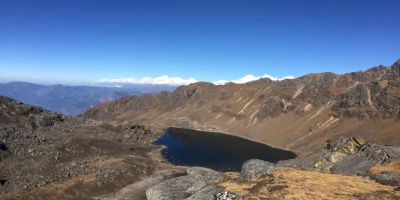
(217, 151)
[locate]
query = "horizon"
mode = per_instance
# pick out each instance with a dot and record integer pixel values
(82, 42)
(132, 81)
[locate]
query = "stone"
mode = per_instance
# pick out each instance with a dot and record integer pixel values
(181, 187)
(255, 168)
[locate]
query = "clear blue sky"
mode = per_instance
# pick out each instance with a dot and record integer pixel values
(85, 40)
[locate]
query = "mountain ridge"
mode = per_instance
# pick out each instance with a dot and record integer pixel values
(70, 100)
(298, 114)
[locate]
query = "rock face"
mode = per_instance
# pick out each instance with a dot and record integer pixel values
(183, 187)
(298, 114)
(255, 168)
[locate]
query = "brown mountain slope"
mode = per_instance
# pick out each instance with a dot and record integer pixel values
(298, 114)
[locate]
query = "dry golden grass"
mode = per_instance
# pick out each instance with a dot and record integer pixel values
(232, 175)
(238, 188)
(296, 184)
(393, 167)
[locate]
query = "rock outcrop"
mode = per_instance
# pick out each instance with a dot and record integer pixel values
(351, 156)
(366, 157)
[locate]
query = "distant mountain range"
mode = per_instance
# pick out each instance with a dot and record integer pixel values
(73, 100)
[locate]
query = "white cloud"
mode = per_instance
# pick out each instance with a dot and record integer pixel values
(249, 78)
(179, 81)
(147, 80)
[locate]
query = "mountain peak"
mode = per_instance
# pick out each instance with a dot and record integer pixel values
(396, 66)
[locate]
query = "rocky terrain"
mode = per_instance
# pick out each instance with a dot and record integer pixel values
(298, 114)
(343, 127)
(46, 155)
(376, 167)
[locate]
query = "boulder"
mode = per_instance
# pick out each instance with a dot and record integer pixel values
(255, 168)
(386, 178)
(183, 187)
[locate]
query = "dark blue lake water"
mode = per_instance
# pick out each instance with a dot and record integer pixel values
(217, 151)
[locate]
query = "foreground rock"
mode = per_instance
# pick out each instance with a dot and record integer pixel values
(255, 168)
(183, 187)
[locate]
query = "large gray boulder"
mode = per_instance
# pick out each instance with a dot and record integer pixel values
(386, 178)
(185, 186)
(255, 168)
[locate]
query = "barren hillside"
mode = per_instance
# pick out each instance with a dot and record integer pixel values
(298, 114)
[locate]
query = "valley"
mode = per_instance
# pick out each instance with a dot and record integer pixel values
(73, 100)
(199, 100)
(243, 141)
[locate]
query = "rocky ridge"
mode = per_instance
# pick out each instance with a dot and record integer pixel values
(45, 154)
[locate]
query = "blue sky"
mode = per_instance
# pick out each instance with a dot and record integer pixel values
(86, 40)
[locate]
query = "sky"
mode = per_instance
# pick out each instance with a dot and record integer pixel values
(78, 41)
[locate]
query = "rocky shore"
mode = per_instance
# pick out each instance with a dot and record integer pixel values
(345, 163)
